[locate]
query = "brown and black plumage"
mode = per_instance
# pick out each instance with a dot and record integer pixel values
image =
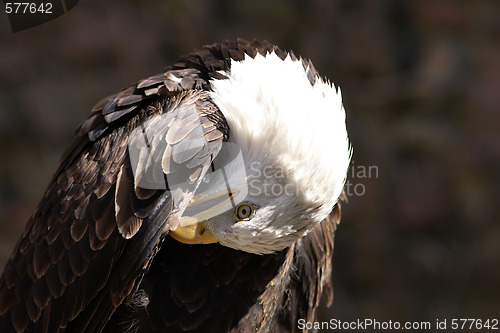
(96, 255)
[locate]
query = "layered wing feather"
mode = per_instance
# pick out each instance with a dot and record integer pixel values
(100, 221)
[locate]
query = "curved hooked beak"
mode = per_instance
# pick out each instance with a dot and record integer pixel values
(193, 227)
(193, 233)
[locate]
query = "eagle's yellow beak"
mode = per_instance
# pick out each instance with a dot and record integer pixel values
(194, 233)
(192, 228)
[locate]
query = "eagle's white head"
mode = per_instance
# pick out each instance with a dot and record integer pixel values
(294, 144)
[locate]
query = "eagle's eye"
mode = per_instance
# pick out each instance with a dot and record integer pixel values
(244, 211)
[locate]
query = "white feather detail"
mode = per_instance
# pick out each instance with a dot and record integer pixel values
(291, 132)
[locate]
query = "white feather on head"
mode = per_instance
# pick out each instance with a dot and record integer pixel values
(295, 131)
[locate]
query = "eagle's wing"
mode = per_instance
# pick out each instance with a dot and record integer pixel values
(120, 187)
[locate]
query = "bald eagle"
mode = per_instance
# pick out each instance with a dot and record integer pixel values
(201, 199)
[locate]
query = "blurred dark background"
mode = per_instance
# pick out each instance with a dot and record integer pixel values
(420, 235)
